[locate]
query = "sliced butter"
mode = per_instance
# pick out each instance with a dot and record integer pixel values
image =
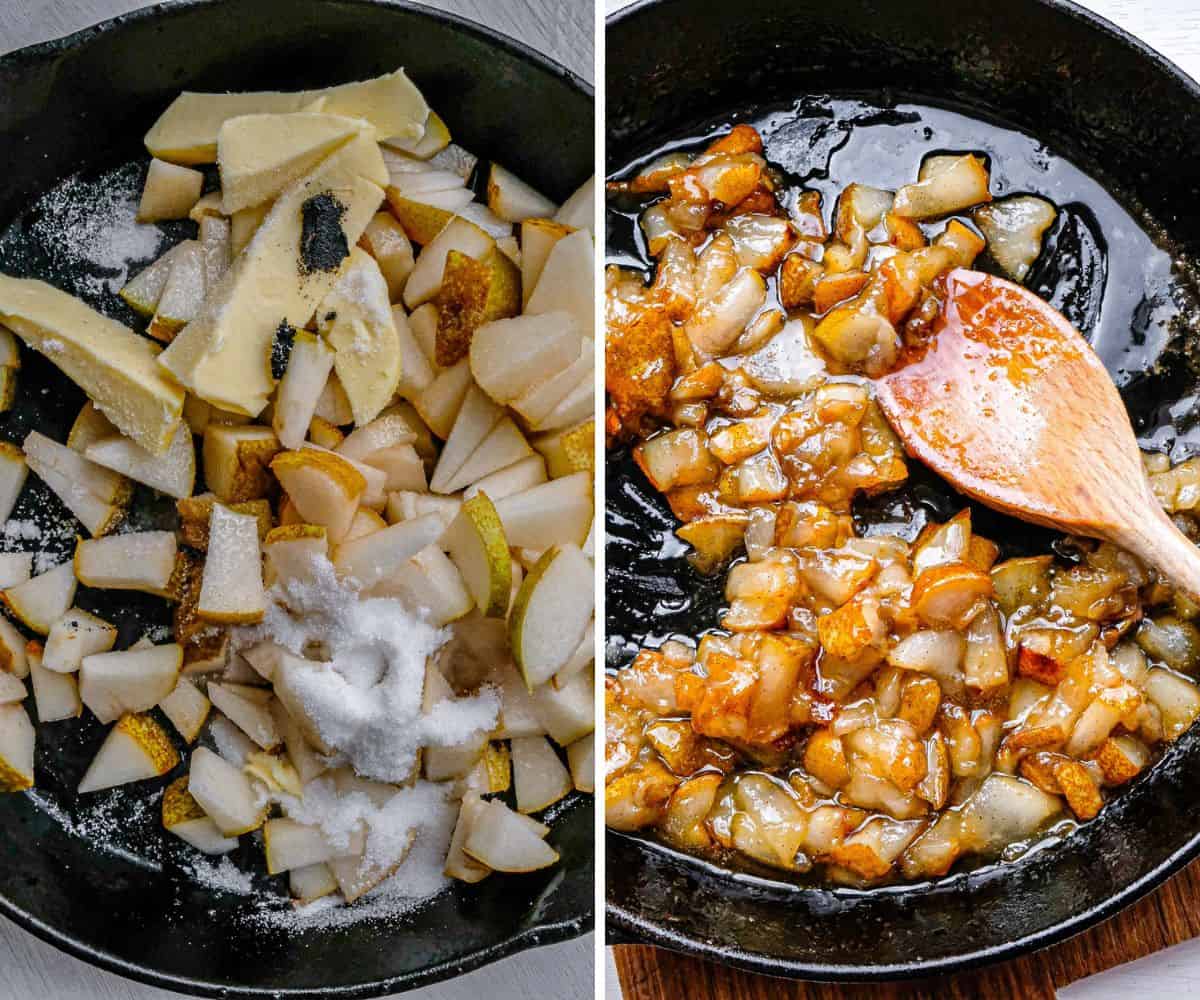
(187, 131)
(112, 364)
(224, 355)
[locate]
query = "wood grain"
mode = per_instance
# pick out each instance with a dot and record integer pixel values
(1165, 917)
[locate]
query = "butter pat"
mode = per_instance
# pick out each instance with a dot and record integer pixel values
(260, 155)
(224, 354)
(116, 368)
(187, 131)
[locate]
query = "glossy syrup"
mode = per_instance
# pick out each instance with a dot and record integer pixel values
(1108, 267)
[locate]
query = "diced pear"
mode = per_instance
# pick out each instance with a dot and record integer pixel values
(432, 583)
(307, 762)
(517, 715)
(539, 777)
(224, 793)
(566, 283)
(90, 426)
(385, 240)
(196, 414)
(132, 680)
(13, 659)
(290, 674)
(459, 865)
(13, 472)
(12, 689)
(136, 748)
(551, 612)
(411, 184)
(188, 131)
(514, 200)
(325, 488)
(523, 474)
(310, 883)
(40, 601)
(324, 434)
(539, 401)
(8, 388)
(244, 224)
(209, 206)
(416, 372)
(423, 321)
(96, 515)
(44, 454)
(237, 460)
(17, 738)
(581, 758)
(115, 367)
(303, 380)
(182, 816)
(216, 247)
(232, 589)
(224, 355)
(170, 192)
(195, 514)
(183, 294)
(433, 139)
(420, 221)
(374, 494)
(143, 291)
(406, 504)
(440, 401)
(173, 473)
(391, 428)
(502, 840)
(333, 404)
(143, 560)
(15, 567)
(474, 422)
(579, 211)
(441, 763)
(293, 550)
(379, 555)
(584, 655)
(56, 695)
(556, 512)
(261, 154)
(187, 708)
(403, 467)
(473, 292)
(356, 319)
(503, 446)
(358, 875)
(75, 635)
(570, 451)
(289, 845)
(509, 356)
(248, 708)
(567, 712)
(426, 278)
(475, 541)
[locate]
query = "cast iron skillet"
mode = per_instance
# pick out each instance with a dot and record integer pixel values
(85, 102)
(1103, 105)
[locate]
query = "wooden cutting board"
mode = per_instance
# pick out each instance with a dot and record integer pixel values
(1167, 916)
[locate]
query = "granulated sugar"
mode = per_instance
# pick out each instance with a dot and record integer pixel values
(222, 875)
(90, 224)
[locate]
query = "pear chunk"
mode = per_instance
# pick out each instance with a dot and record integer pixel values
(426, 278)
(438, 404)
(56, 695)
(310, 883)
(376, 557)
(570, 451)
(475, 420)
(579, 211)
(539, 777)
(15, 567)
(182, 816)
(509, 356)
(431, 582)
(116, 368)
(41, 601)
(260, 155)
(90, 425)
(224, 793)
(506, 841)
(237, 460)
(476, 543)
(559, 511)
(325, 488)
(523, 474)
(538, 237)
(566, 283)
(386, 241)
(581, 758)
(292, 551)
(389, 429)
(303, 380)
(248, 708)
(173, 473)
(473, 292)
(75, 635)
(459, 864)
(143, 292)
(47, 456)
(232, 588)
(17, 738)
(551, 612)
(567, 712)
(132, 680)
(143, 560)
(187, 708)
(136, 748)
(13, 658)
(170, 192)
(512, 199)
(183, 294)
(13, 472)
(12, 689)
(356, 319)
(503, 446)
(289, 845)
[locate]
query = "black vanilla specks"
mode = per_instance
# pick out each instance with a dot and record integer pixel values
(281, 348)
(323, 244)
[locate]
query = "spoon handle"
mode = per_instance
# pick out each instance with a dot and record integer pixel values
(1156, 541)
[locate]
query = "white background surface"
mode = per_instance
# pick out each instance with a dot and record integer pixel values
(31, 970)
(1172, 27)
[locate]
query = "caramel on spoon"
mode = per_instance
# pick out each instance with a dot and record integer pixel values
(1010, 405)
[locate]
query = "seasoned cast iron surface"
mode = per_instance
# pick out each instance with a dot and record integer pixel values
(82, 105)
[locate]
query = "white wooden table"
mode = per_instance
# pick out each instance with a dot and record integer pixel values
(31, 970)
(1173, 28)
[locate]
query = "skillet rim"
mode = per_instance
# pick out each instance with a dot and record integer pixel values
(537, 935)
(624, 925)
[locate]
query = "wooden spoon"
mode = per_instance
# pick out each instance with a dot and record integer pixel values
(1010, 404)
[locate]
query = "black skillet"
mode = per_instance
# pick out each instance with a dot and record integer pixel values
(83, 103)
(1064, 104)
